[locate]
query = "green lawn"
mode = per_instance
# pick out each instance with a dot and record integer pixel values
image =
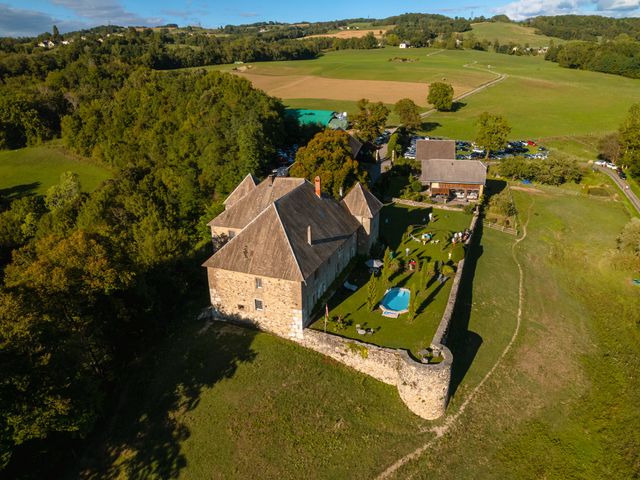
(511, 32)
(401, 332)
(35, 169)
(563, 404)
(233, 403)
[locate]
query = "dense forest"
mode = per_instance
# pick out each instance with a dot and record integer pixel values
(618, 57)
(586, 27)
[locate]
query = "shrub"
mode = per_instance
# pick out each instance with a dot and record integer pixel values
(359, 349)
(457, 253)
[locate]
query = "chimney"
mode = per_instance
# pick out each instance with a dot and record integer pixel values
(309, 240)
(318, 189)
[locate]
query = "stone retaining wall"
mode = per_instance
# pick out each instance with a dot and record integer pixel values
(423, 387)
(413, 203)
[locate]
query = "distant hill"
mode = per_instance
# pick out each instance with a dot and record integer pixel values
(511, 32)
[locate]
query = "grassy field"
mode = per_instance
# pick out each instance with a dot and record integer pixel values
(233, 403)
(563, 404)
(35, 169)
(402, 332)
(511, 33)
(538, 98)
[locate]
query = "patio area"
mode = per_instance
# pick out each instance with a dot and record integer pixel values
(349, 313)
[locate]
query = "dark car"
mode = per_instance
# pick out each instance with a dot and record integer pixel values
(621, 174)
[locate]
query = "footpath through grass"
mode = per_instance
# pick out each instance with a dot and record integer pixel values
(33, 170)
(563, 404)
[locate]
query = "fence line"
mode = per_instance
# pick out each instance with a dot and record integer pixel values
(502, 228)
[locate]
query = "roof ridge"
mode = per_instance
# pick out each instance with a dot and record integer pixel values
(239, 233)
(286, 235)
(364, 195)
(238, 186)
(292, 190)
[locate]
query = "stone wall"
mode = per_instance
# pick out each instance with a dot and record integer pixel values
(233, 294)
(422, 387)
(413, 203)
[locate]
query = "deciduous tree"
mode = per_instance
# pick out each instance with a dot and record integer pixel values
(328, 155)
(409, 114)
(493, 131)
(370, 119)
(630, 140)
(441, 96)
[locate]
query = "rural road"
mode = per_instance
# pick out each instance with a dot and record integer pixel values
(624, 186)
(500, 78)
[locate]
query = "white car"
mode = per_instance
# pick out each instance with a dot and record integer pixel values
(600, 163)
(612, 166)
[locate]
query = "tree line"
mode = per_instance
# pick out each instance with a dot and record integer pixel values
(90, 281)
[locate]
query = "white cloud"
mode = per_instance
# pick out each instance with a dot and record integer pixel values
(102, 12)
(523, 9)
(16, 22)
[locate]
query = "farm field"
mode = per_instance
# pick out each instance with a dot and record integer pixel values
(378, 32)
(35, 169)
(511, 32)
(538, 98)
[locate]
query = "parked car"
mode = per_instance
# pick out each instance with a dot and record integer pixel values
(621, 174)
(612, 166)
(600, 163)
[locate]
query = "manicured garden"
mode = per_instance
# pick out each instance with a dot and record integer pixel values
(401, 227)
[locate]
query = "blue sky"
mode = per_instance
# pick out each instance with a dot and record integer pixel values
(30, 17)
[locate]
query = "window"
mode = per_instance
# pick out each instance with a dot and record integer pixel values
(258, 283)
(258, 304)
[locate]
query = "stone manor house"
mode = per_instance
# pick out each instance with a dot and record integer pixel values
(287, 243)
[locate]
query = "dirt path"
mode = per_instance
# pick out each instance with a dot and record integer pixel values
(440, 430)
(499, 78)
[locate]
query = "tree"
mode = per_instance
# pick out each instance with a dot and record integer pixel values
(630, 140)
(502, 204)
(457, 252)
(629, 239)
(64, 193)
(409, 113)
(370, 119)
(493, 131)
(609, 147)
(328, 155)
(54, 316)
(441, 96)
(56, 34)
(372, 292)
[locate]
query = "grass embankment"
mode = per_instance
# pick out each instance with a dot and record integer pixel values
(563, 404)
(33, 170)
(234, 403)
(402, 332)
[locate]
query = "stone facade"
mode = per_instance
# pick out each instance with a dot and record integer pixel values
(318, 283)
(286, 306)
(272, 304)
(368, 234)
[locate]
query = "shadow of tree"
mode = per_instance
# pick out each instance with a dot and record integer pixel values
(457, 106)
(429, 298)
(463, 343)
(9, 194)
(144, 438)
(427, 127)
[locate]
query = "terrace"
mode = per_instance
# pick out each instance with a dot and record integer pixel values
(401, 227)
